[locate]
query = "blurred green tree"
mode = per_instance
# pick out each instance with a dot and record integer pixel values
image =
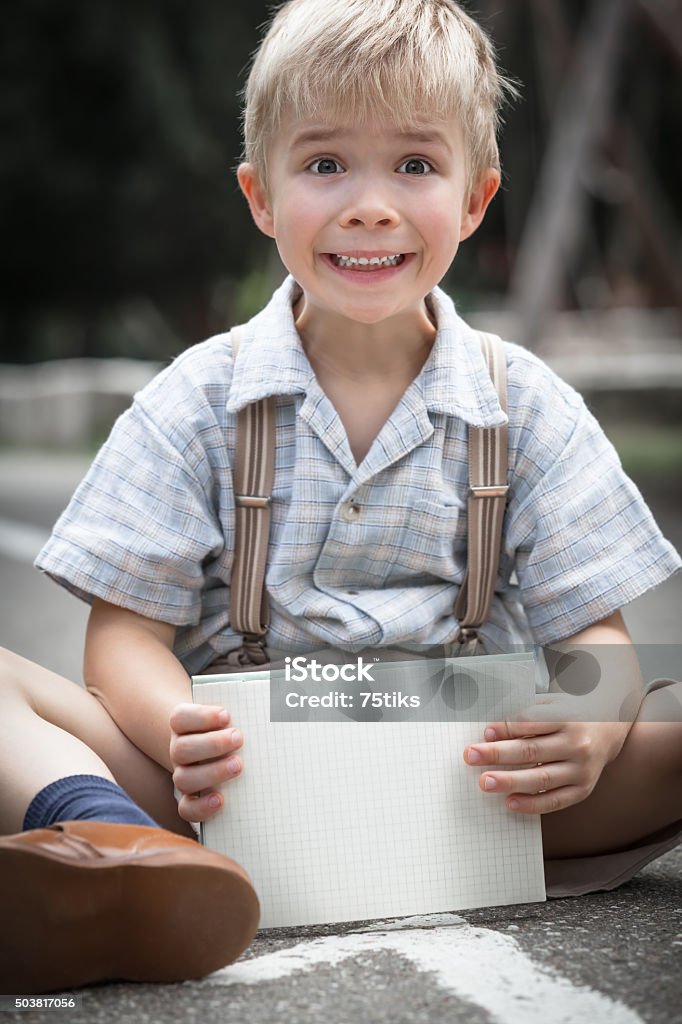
(121, 128)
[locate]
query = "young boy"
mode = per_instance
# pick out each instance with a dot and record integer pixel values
(370, 154)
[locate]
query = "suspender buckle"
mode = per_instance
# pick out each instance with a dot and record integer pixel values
(468, 641)
(252, 501)
(255, 639)
(494, 491)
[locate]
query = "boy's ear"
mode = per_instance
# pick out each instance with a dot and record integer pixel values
(478, 201)
(257, 198)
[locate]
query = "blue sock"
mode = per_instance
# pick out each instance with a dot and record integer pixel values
(84, 798)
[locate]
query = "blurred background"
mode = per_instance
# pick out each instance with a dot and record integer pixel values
(125, 238)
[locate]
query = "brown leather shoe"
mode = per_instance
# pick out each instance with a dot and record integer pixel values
(87, 901)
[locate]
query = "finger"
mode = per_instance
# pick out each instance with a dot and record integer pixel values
(551, 711)
(551, 707)
(528, 750)
(198, 718)
(539, 779)
(545, 803)
(204, 746)
(200, 806)
(511, 730)
(190, 779)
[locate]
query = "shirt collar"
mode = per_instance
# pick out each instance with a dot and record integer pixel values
(454, 380)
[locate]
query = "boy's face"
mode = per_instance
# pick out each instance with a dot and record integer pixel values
(367, 193)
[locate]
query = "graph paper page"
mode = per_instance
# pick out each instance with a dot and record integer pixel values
(346, 820)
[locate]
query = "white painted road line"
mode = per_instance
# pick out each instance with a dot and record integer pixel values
(480, 965)
(20, 541)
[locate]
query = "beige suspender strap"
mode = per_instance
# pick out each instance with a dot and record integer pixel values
(254, 472)
(253, 480)
(488, 488)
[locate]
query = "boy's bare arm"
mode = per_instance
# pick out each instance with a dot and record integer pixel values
(130, 667)
(558, 748)
(597, 673)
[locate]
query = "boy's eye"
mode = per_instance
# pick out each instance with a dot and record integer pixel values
(415, 165)
(326, 165)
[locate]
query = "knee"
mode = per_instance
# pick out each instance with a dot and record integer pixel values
(663, 704)
(660, 722)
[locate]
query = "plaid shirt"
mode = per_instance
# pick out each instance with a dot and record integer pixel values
(151, 527)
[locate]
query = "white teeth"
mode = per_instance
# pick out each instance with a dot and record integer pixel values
(363, 261)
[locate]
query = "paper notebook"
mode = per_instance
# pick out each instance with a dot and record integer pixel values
(344, 820)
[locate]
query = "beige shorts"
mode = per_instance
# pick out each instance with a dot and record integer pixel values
(576, 876)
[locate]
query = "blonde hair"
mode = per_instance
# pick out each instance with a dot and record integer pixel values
(408, 61)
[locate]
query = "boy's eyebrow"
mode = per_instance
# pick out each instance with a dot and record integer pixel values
(314, 135)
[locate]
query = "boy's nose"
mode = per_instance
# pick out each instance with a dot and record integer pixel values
(370, 212)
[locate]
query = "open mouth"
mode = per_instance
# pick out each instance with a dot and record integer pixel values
(367, 263)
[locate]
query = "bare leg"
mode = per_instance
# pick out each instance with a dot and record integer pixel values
(637, 794)
(53, 728)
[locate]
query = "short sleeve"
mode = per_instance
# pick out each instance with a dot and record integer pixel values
(140, 529)
(582, 539)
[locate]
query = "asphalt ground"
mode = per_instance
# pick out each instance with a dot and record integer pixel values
(607, 957)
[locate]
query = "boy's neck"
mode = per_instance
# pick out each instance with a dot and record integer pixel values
(392, 349)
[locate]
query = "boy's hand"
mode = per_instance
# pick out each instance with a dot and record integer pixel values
(201, 752)
(554, 764)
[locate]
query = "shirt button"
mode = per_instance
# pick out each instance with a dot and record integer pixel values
(350, 511)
